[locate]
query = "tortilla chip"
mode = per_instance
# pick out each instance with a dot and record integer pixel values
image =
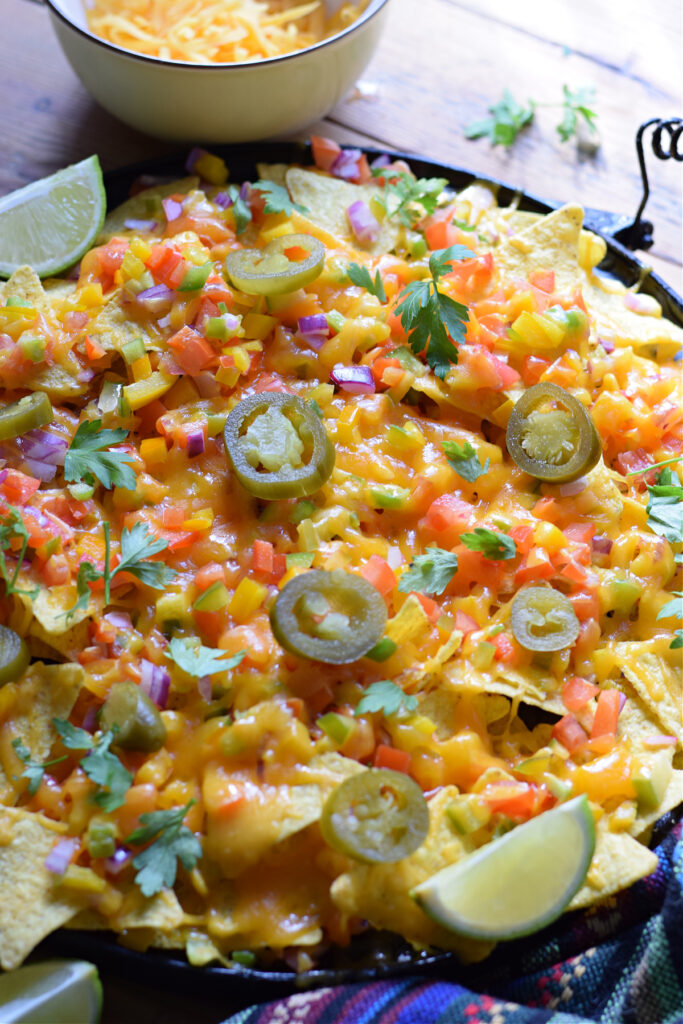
(613, 319)
(327, 199)
(654, 671)
(618, 861)
(534, 685)
(143, 206)
(672, 798)
(381, 892)
(112, 328)
(273, 172)
(44, 692)
(31, 904)
(552, 243)
(24, 284)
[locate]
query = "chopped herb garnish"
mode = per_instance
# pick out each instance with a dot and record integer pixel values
(496, 546)
(509, 118)
(386, 697)
(157, 865)
(362, 277)
(99, 764)
(411, 199)
(88, 458)
(33, 770)
(12, 527)
(200, 661)
(241, 210)
(277, 198)
(426, 313)
(674, 609)
(464, 460)
(429, 573)
(665, 508)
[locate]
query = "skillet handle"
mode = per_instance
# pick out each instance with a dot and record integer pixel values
(667, 143)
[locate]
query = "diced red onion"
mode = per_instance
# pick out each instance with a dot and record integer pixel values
(204, 687)
(381, 161)
(622, 701)
(115, 864)
(607, 344)
(155, 682)
(164, 321)
(364, 225)
(659, 740)
(315, 330)
(3, 475)
(156, 298)
(193, 156)
(568, 490)
(206, 384)
(245, 191)
(172, 208)
(168, 364)
(223, 200)
(395, 557)
(90, 719)
(601, 544)
(40, 470)
(195, 443)
(43, 447)
(140, 225)
(346, 165)
(356, 380)
(640, 303)
(119, 620)
(6, 342)
(59, 857)
(75, 321)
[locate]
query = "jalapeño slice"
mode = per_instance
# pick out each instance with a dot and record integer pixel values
(543, 619)
(18, 418)
(334, 617)
(14, 656)
(277, 268)
(139, 726)
(551, 436)
(278, 446)
(378, 816)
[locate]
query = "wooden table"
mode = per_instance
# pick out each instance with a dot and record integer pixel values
(440, 64)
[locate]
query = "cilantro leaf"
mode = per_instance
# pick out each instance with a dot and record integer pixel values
(386, 697)
(12, 527)
(240, 209)
(33, 770)
(277, 198)
(157, 865)
(200, 661)
(677, 640)
(673, 608)
(665, 507)
(87, 458)
(426, 313)
(464, 460)
(575, 106)
(71, 736)
(496, 546)
(508, 118)
(87, 573)
(106, 771)
(362, 277)
(429, 573)
(411, 199)
(137, 545)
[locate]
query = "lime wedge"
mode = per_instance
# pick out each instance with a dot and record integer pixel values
(52, 222)
(518, 883)
(54, 992)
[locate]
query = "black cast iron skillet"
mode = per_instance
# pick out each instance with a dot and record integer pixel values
(373, 955)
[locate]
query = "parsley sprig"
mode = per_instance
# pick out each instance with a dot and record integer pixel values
(674, 609)
(429, 573)
(277, 198)
(386, 697)
(199, 661)
(137, 546)
(410, 199)
(157, 865)
(496, 546)
(99, 764)
(509, 117)
(88, 458)
(240, 209)
(464, 460)
(33, 770)
(427, 313)
(363, 278)
(12, 528)
(665, 508)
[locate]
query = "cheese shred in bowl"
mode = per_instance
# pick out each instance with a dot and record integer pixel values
(217, 31)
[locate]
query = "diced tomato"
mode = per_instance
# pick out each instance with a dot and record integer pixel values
(465, 623)
(440, 234)
(296, 253)
(167, 265)
(633, 462)
(543, 279)
(325, 151)
(523, 537)
(569, 732)
(474, 568)
(92, 350)
(577, 692)
(471, 276)
(547, 508)
(533, 369)
(364, 172)
(378, 572)
(174, 517)
(398, 332)
(262, 557)
(193, 353)
(17, 487)
(508, 375)
(430, 607)
(380, 365)
(606, 718)
(535, 566)
(507, 650)
(390, 757)
(582, 533)
(586, 605)
(216, 290)
(209, 574)
(448, 516)
(574, 572)
(516, 800)
(56, 571)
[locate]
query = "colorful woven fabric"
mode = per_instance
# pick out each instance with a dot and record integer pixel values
(621, 963)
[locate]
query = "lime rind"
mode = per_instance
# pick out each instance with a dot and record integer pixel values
(519, 883)
(51, 223)
(52, 992)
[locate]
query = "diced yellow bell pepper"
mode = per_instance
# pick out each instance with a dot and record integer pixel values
(142, 392)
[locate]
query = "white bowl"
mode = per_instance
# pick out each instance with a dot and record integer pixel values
(219, 102)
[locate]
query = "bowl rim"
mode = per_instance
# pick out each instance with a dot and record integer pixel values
(373, 8)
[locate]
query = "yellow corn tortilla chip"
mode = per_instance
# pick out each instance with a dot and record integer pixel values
(160, 913)
(654, 671)
(48, 610)
(533, 685)
(327, 200)
(31, 904)
(112, 328)
(381, 892)
(24, 284)
(672, 798)
(44, 692)
(143, 206)
(614, 320)
(273, 172)
(552, 243)
(618, 861)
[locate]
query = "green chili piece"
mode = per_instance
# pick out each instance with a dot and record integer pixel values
(551, 436)
(137, 721)
(195, 278)
(270, 271)
(378, 816)
(14, 656)
(277, 446)
(543, 619)
(34, 410)
(334, 617)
